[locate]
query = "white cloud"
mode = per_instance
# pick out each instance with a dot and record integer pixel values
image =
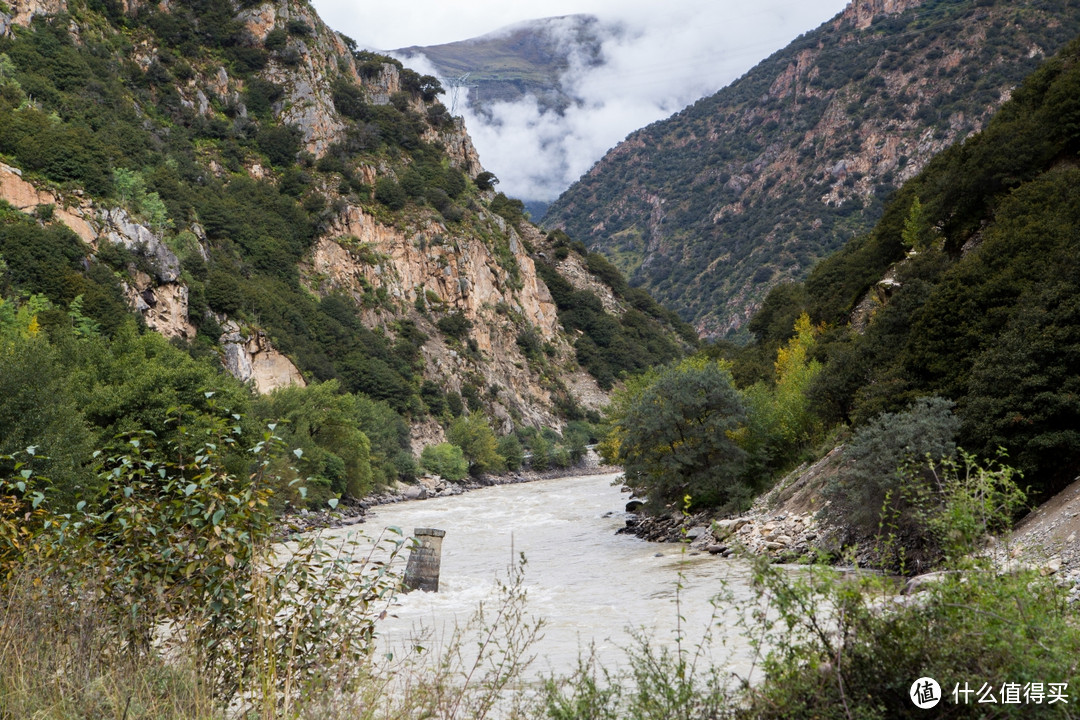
(666, 56)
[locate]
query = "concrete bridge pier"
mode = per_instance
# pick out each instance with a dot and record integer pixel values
(422, 572)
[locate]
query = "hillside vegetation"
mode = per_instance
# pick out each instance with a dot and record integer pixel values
(748, 188)
(240, 179)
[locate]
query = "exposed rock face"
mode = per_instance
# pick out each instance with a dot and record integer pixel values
(23, 11)
(24, 196)
(119, 228)
(431, 267)
(248, 355)
(863, 12)
(163, 307)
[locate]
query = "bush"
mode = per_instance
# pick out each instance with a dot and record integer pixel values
(178, 538)
(885, 471)
(474, 436)
(280, 144)
(445, 460)
(390, 193)
(455, 325)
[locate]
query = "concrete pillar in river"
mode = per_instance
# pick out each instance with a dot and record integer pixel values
(422, 572)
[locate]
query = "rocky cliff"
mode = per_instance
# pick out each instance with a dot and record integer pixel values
(297, 177)
(750, 187)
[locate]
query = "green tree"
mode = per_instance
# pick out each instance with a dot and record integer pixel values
(512, 452)
(917, 233)
(675, 438)
(780, 421)
(445, 460)
(474, 436)
(324, 424)
(38, 407)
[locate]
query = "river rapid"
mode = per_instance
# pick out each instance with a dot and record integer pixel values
(590, 586)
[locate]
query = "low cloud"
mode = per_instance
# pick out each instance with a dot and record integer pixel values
(657, 60)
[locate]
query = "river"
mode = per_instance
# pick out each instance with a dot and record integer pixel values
(590, 586)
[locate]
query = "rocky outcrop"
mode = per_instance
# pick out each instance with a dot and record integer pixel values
(163, 307)
(27, 197)
(21, 12)
(862, 13)
(430, 267)
(122, 230)
(248, 355)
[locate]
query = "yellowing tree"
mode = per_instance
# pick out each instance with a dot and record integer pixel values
(780, 422)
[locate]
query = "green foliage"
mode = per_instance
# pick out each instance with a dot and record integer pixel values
(176, 537)
(445, 460)
(991, 327)
(510, 449)
(474, 436)
(326, 425)
(486, 181)
(780, 422)
(608, 346)
(674, 436)
(39, 407)
(49, 261)
(916, 234)
(280, 144)
(836, 655)
(455, 326)
(886, 469)
(511, 209)
(390, 193)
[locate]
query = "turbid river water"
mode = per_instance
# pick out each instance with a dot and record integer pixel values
(591, 586)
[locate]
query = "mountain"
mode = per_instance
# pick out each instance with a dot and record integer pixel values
(968, 288)
(238, 178)
(750, 187)
(523, 59)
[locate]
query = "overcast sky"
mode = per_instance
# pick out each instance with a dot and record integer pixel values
(671, 54)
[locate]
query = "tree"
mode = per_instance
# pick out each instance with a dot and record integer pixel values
(917, 233)
(675, 436)
(473, 434)
(445, 460)
(325, 424)
(486, 181)
(780, 421)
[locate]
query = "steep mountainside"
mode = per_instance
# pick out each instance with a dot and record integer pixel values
(748, 188)
(523, 59)
(253, 188)
(968, 288)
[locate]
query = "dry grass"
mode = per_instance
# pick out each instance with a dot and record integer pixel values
(58, 661)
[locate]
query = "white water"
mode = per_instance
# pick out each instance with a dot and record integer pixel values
(589, 585)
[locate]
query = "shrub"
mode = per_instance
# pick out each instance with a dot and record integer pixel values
(474, 436)
(390, 193)
(445, 460)
(177, 537)
(280, 144)
(455, 325)
(886, 470)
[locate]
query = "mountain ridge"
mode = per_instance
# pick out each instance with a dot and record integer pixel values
(749, 187)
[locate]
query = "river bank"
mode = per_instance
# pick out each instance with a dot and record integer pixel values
(785, 526)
